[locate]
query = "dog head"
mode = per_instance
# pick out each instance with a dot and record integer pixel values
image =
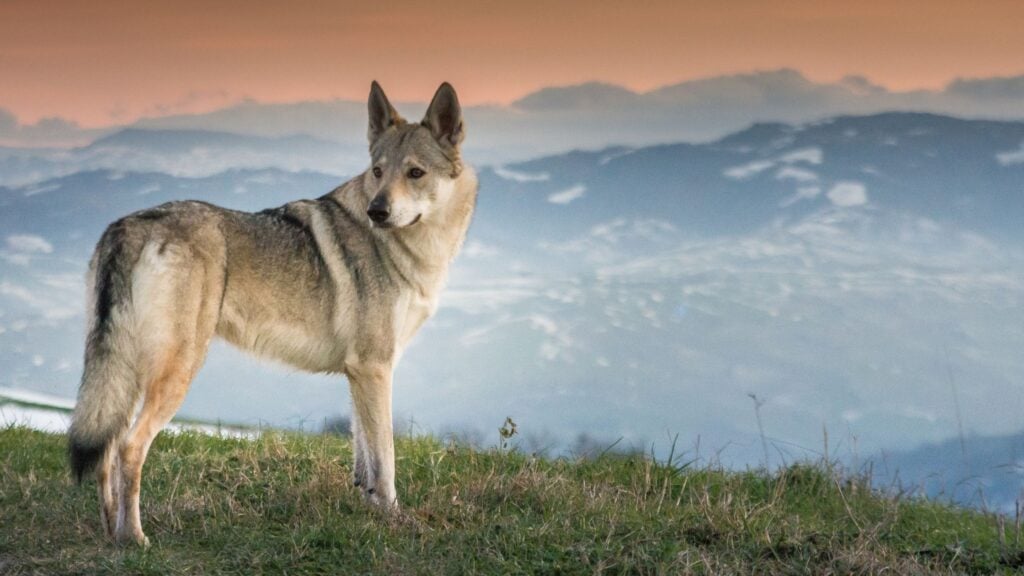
(413, 166)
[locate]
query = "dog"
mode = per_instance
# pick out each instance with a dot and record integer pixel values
(334, 285)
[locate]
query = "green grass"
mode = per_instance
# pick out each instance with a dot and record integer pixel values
(284, 504)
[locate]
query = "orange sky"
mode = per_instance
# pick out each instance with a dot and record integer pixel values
(98, 62)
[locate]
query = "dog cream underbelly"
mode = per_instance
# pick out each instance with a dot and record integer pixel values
(259, 329)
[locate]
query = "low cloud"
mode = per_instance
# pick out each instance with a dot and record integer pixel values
(568, 195)
(808, 155)
(19, 249)
(1011, 157)
(797, 174)
(749, 170)
(52, 131)
(49, 304)
(846, 194)
(999, 88)
(516, 176)
(29, 244)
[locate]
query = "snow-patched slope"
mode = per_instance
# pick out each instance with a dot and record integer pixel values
(50, 413)
(962, 173)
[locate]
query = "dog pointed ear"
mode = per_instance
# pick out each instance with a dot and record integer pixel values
(382, 114)
(444, 116)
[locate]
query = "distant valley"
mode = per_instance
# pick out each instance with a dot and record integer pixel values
(862, 275)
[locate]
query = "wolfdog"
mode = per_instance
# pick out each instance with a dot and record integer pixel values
(337, 285)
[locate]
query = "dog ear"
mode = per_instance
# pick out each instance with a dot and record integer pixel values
(382, 114)
(444, 116)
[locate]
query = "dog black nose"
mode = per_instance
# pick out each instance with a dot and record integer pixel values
(379, 210)
(378, 215)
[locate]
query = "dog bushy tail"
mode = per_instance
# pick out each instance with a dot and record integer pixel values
(110, 389)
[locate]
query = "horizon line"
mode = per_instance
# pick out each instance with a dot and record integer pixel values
(158, 111)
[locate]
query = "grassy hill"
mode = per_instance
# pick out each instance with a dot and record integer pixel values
(283, 503)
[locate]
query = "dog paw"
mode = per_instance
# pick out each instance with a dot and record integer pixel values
(130, 539)
(380, 498)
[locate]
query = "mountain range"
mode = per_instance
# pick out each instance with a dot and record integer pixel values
(858, 274)
(184, 153)
(965, 173)
(586, 116)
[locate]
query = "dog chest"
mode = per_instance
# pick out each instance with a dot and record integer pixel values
(411, 310)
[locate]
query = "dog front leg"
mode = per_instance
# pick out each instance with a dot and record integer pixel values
(359, 451)
(373, 439)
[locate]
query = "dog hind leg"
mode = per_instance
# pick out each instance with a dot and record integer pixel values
(177, 326)
(108, 486)
(164, 396)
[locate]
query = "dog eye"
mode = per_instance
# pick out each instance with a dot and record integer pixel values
(416, 173)
(377, 172)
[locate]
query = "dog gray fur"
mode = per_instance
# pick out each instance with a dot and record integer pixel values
(336, 285)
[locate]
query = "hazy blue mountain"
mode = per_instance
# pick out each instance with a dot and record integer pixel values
(864, 275)
(579, 97)
(25, 165)
(958, 172)
(187, 153)
(77, 207)
(983, 471)
(177, 141)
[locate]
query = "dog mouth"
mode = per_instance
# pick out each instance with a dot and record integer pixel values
(388, 225)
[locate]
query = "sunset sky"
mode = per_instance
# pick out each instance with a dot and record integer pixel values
(99, 63)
